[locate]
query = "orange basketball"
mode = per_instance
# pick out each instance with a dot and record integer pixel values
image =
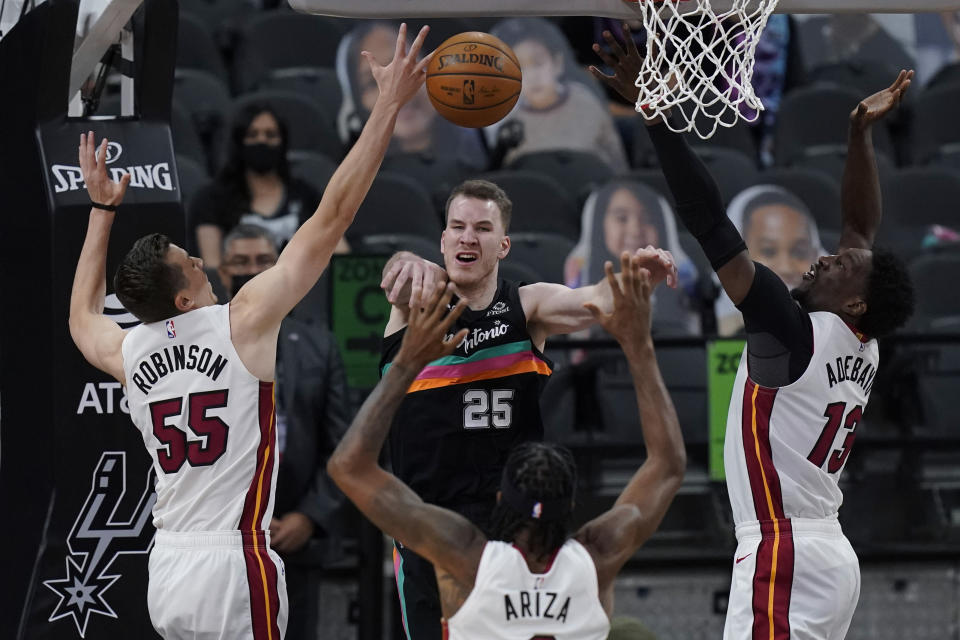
(473, 79)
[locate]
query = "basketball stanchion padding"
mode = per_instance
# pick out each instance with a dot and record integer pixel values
(474, 79)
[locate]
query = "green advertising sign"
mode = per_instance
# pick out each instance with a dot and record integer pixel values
(723, 360)
(358, 313)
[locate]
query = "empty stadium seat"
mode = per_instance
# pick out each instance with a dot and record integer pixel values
(437, 175)
(308, 127)
(832, 164)
(914, 199)
(820, 193)
(315, 83)
(282, 39)
(866, 76)
(577, 172)
(206, 99)
(196, 48)
(814, 120)
(313, 168)
(731, 169)
(936, 311)
(390, 243)
(544, 252)
(395, 204)
(935, 128)
(186, 140)
(539, 203)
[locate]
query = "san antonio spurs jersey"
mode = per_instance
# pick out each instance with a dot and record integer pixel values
(785, 448)
(508, 602)
(206, 421)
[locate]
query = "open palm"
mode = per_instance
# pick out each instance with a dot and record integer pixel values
(878, 105)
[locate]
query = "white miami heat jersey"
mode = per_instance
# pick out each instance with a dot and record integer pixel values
(786, 447)
(206, 421)
(509, 602)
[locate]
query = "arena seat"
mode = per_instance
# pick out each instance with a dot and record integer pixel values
(577, 172)
(544, 252)
(820, 193)
(281, 39)
(318, 84)
(936, 131)
(395, 204)
(206, 98)
(313, 168)
(196, 48)
(814, 120)
(539, 203)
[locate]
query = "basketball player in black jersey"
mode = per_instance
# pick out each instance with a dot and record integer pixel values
(461, 417)
(533, 511)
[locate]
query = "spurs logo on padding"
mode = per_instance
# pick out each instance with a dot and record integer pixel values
(98, 536)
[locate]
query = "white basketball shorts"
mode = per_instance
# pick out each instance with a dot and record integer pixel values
(798, 580)
(216, 585)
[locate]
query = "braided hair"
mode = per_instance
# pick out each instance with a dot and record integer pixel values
(543, 473)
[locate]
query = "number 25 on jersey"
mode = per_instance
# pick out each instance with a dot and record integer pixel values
(485, 407)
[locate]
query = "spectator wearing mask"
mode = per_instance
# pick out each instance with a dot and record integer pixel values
(253, 187)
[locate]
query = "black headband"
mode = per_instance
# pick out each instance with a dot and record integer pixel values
(538, 509)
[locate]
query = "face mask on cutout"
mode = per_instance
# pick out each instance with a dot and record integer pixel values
(238, 281)
(262, 158)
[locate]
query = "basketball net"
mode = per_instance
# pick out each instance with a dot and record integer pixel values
(699, 62)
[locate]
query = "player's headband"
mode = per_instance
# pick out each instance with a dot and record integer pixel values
(532, 507)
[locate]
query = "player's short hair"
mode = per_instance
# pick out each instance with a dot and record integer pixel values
(483, 190)
(889, 297)
(145, 283)
(549, 472)
(249, 232)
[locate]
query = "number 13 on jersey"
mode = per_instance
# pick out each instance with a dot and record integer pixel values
(483, 407)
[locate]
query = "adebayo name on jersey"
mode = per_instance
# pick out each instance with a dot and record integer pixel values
(851, 369)
(174, 358)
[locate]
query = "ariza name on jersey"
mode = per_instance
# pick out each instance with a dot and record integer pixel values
(850, 369)
(177, 358)
(535, 604)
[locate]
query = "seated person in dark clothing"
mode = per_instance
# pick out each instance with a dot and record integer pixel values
(313, 413)
(253, 187)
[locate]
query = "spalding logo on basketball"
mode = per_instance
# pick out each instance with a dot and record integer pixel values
(474, 79)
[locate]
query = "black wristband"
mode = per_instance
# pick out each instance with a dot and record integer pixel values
(105, 207)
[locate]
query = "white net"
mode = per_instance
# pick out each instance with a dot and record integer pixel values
(699, 62)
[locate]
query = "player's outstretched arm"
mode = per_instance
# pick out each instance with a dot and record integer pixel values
(553, 309)
(447, 539)
(614, 536)
(264, 301)
(98, 338)
(861, 201)
(699, 204)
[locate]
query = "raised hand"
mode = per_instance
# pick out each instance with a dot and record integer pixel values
(93, 165)
(426, 337)
(660, 265)
(878, 105)
(626, 64)
(400, 80)
(629, 322)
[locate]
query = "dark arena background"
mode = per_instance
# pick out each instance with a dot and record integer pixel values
(165, 82)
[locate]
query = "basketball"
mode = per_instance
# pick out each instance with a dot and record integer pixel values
(474, 79)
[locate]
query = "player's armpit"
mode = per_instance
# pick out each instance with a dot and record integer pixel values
(100, 340)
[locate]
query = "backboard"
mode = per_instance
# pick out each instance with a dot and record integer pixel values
(604, 8)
